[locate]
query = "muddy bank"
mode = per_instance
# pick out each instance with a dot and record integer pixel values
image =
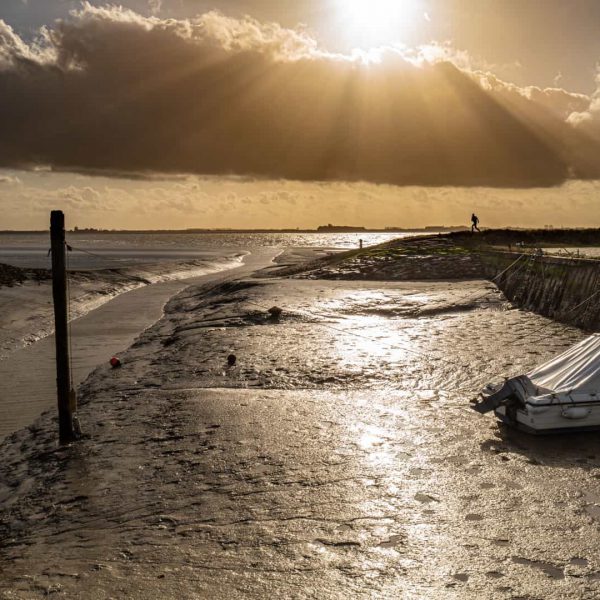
(337, 324)
(26, 309)
(338, 458)
(10, 276)
(436, 257)
(564, 289)
(95, 337)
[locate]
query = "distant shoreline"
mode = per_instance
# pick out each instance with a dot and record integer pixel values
(505, 233)
(334, 229)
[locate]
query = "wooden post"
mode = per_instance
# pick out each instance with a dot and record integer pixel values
(61, 333)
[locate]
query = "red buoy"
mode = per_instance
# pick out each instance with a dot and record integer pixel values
(115, 362)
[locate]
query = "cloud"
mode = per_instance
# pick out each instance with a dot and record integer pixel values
(9, 180)
(14, 51)
(109, 89)
(231, 202)
(87, 197)
(588, 118)
(558, 101)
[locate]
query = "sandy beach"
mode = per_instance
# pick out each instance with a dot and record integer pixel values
(339, 456)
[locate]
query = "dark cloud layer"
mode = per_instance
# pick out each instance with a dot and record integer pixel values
(109, 89)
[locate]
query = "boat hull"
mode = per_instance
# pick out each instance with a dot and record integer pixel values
(551, 421)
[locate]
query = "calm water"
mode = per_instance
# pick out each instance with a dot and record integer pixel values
(31, 250)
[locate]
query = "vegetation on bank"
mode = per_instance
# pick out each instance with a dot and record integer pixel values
(456, 255)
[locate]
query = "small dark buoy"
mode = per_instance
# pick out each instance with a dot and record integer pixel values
(231, 359)
(275, 312)
(115, 363)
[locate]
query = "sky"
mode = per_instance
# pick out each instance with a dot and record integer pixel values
(530, 42)
(190, 201)
(295, 113)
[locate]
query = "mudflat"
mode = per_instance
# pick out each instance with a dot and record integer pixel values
(338, 457)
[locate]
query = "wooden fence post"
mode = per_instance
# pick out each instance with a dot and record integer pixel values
(61, 333)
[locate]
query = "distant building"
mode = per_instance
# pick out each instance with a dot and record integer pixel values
(329, 228)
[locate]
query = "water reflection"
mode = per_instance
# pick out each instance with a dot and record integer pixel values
(30, 250)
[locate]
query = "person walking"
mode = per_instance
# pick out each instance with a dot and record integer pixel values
(475, 223)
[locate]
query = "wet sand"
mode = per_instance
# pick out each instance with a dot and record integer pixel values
(26, 313)
(112, 319)
(339, 457)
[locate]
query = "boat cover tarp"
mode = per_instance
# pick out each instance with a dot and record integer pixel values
(575, 371)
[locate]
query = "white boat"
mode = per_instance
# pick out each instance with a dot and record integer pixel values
(562, 395)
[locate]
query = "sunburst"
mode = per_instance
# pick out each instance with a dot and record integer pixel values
(369, 23)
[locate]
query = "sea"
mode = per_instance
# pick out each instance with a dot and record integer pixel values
(91, 250)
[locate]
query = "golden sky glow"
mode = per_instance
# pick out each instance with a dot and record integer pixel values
(188, 202)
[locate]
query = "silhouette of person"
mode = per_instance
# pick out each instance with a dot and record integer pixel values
(474, 223)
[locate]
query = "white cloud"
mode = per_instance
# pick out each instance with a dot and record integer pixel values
(589, 119)
(9, 180)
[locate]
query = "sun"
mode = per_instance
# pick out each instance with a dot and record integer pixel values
(369, 23)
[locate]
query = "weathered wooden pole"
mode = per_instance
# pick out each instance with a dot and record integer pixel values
(61, 333)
